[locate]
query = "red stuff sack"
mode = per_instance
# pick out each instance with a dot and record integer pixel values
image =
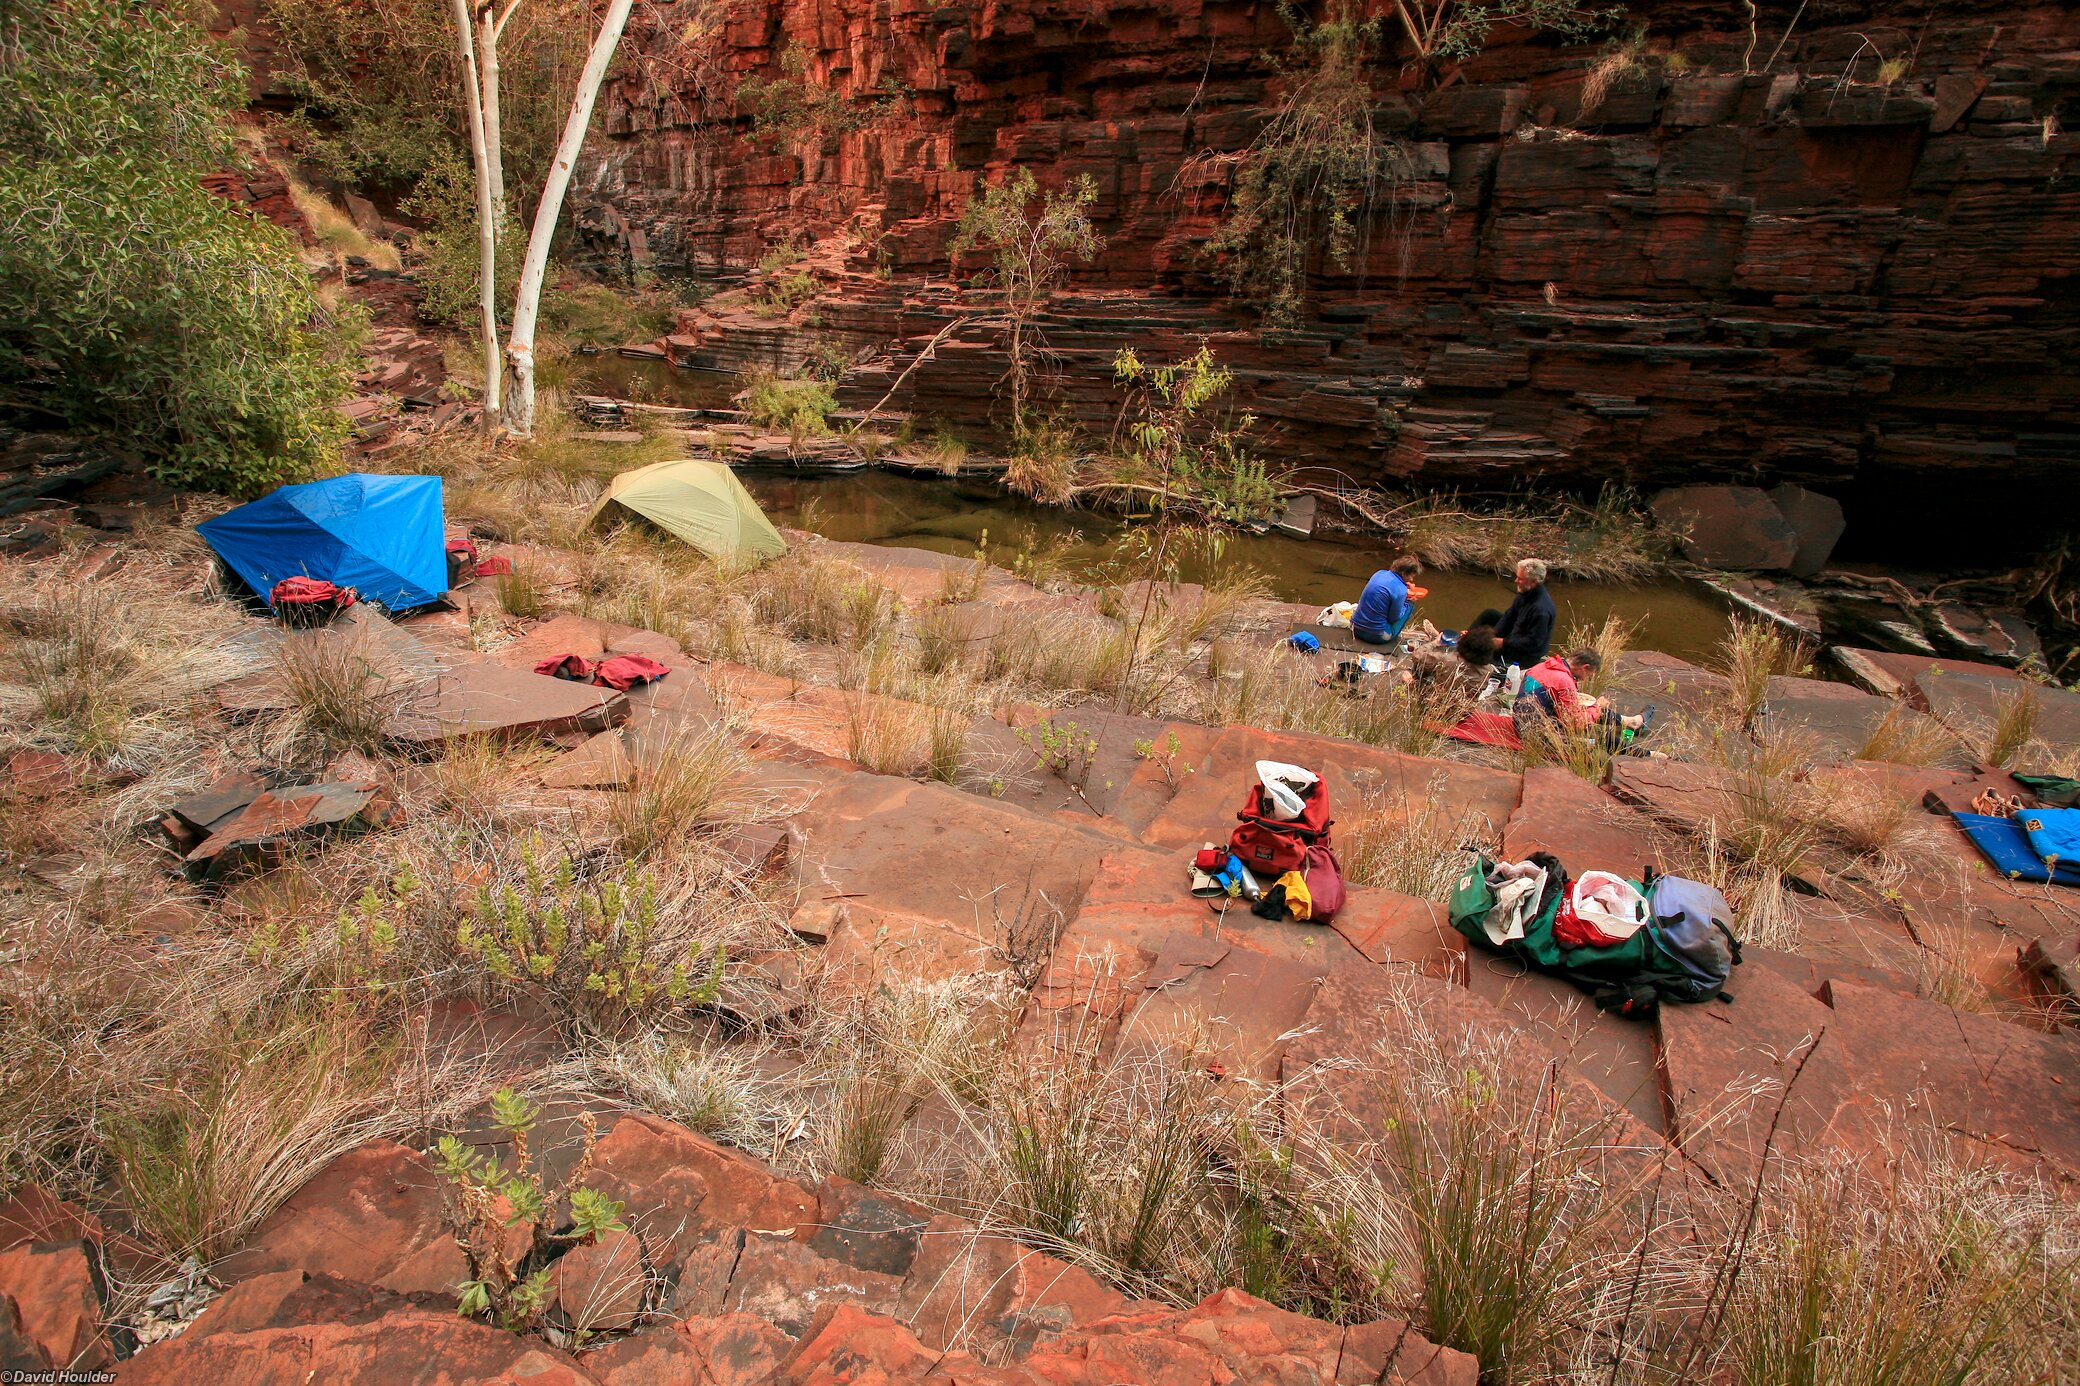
(1324, 876)
(1269, 846)
(303, 601)
(462, 562)
(627, 671)
(576, 668)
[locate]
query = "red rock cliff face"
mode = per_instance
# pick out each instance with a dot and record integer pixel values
(1800, 273)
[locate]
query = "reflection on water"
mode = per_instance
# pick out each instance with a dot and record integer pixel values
(950, 517)
(651, 382)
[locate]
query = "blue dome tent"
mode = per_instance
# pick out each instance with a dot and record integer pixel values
(383, 536)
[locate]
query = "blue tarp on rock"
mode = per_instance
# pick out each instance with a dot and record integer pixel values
(383, 536)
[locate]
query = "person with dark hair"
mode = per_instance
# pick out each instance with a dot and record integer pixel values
(1471, 659)
(1552, 700)
(1526, 629)
(1385, 606)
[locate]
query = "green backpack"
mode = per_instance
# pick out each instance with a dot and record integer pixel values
(1625, 976)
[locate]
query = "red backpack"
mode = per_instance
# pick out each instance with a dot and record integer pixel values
(1269, 846)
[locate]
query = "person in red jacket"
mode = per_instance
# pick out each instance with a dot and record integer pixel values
(1552, 696)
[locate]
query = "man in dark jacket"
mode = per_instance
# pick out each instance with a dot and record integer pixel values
(1526, 629)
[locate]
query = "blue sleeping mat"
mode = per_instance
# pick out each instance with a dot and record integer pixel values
(2004, 843)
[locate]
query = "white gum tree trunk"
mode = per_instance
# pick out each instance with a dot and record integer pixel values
(487, 217)
(519, 394)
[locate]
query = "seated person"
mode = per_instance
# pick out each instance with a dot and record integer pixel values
(1472, 660)
(1386, 606)
(1552, 699)
(1527, 627)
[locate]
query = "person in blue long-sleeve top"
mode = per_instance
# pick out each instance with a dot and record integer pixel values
(1526, 629)
(1386, 606)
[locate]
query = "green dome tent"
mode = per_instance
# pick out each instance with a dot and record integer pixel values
(700, 502)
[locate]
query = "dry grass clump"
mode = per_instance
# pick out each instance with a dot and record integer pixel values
(728, 1092)
(890, 736)
(1928, 1269)
(1610, 640)
(343, 687)
(1905, 737)
(1752, 651)
(883, 1051)
(683, 785)
(273, 1102)
(2014, 726)
(104, 665)
(1060, 652)
(1413, 845)
(1472, 1190)
(1611, 540)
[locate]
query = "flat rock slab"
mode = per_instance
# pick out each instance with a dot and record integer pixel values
(1664, 680)
(1235, 1005)
(1577, 822)
(559, 635)
(2014, 1089)
(1615, 1054)
(1113, 776)
(372, 1215)
(1970, 704)
(293, 1326)
(1389, 929)
(1728, 1067)
(260, 829)
(477, 697)
(932, 877)
(219, 802)
(1204, 809)
(1841, 728)
(1794, 686)
(1683, 794)
(1894, 675)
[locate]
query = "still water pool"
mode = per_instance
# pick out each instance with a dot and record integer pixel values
(951, 516)
(1676, 617)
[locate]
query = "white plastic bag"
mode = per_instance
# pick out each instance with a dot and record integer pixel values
(1608, 904)
(1282, 785)
(1338, 614)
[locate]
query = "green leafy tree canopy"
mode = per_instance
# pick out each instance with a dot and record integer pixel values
(134, 304)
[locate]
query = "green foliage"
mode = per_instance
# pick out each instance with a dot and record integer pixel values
(1030, 247)
(595, 315)
(802, 407)
(1319, 174)
(509, 1277)
(383, 74)
(794, 104)
(445, 202)
(133, 302)
(1063, 750)
(1454, 30)
(1174, 447)
(1314, 177)
(587, 942)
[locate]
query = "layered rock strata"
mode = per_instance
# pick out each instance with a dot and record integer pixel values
(1850, 258)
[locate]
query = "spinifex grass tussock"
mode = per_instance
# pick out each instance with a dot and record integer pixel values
(106, 664)
(343, 688)
(1905, 737)
(1474, 1188)
(2016, 711)
(729, 1092)
(1926, 1269)
(1752, 651)
(890, 736)
(682, 783)
(1411, 843)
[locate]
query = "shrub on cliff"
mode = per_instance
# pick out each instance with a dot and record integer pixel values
(134, 303)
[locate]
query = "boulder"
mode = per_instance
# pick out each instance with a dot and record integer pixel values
(1728, 526)
(1818, 522)
(54, 1290)
(373, 1215)
(725, 1350)
(601, 1287)
(319, 1330)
